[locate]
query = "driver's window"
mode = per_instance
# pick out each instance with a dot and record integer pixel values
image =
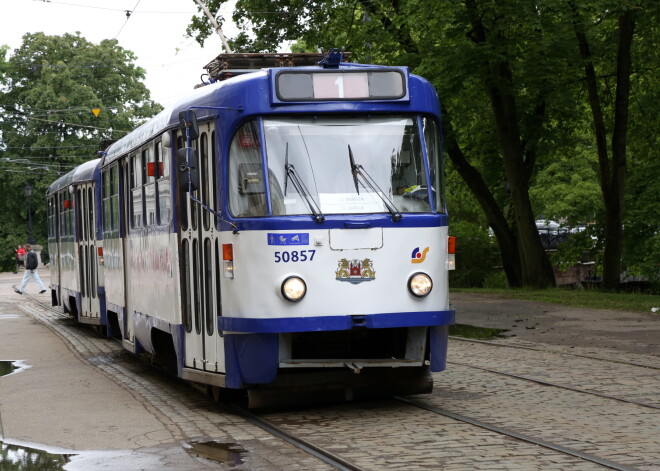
(247, 196)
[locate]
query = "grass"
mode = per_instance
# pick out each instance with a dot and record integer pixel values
(585, 298)
(472, 332)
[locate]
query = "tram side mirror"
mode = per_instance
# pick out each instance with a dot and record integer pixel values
(188, 121)
(183, 169)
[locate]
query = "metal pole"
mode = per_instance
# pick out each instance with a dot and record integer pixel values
(28, 195)
(30, 236)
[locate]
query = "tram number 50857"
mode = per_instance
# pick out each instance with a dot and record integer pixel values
(294, 256)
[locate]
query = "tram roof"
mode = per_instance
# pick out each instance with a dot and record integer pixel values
(243, 95)
(82, 173)
(168, 118)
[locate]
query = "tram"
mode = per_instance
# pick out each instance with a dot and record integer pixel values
(280, 231)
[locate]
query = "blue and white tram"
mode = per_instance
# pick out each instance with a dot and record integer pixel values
(74, 244)
(283, 230)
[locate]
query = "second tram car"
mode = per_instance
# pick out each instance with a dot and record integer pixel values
(280, 231)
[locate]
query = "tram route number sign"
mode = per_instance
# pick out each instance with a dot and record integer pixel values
(343, 85)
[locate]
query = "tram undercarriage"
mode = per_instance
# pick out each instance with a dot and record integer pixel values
(346, 365)
(306, 386)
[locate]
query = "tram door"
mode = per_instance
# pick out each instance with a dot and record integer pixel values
(89, 310)
(54, 234)
(200, 263)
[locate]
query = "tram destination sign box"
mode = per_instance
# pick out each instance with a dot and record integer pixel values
(340, 85)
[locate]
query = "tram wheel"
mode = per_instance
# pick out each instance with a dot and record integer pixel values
(216, 393)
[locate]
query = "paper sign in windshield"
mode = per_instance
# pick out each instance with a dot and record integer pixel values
(350, 203)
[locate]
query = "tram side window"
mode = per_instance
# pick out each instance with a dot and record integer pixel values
(52, 219)
(105, 195)
(66, 214)
(69, 216)
(110, 192)
(136, 182)
(114, 180)
(150, 175)
(434, 151)
(214, 182)
(90, 213)
(60, 214)
(194, 207)
(183, 192)
(205, 180)
(246, 187)
(163, 183)
(81, 227)
(409, 185)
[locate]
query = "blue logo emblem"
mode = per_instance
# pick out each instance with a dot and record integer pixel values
(288, 239)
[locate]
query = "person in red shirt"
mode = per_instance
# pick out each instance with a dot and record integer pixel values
(20, 255)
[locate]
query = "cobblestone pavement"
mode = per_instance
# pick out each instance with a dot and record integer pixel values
(628, 376)
(384, 435)
(393, 436)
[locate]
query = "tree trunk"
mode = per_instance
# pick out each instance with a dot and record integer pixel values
(612, 173)
(536, 268)
(506, 239)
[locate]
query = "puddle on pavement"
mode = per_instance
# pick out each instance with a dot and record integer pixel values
(229, 453)
(23, 458)
(7, 367)
(473, 332)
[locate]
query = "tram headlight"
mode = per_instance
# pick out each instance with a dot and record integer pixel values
(420, 284)
(294, 289)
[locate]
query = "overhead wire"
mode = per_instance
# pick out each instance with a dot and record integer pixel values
(76, 125)
(128, 17)
(116, 9)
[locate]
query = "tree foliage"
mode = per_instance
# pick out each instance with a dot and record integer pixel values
(50, 84)
(518, 88)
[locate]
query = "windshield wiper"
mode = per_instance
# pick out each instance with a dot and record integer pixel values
(300, 187)
(359, 171)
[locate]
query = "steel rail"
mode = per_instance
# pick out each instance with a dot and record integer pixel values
(494, 344)
(547, 383)
(519, 436)
(320, 453)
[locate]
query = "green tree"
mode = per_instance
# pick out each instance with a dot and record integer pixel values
(606, 33)
(517, 100)
(489, 64)
(50, 86)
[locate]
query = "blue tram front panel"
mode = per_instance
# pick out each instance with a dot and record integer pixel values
(339, 210)
(349, 287)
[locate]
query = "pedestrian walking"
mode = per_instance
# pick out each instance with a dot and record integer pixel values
(31, 263)
(20, 255)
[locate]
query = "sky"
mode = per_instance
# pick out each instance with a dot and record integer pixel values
(155, 32)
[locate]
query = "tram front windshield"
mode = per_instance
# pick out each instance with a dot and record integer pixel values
(334, 166)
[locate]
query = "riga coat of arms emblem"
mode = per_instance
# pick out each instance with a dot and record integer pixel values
(355, 271)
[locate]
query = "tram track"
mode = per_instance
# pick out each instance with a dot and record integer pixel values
(544, 350)
(337, 462)
(555, 385)
(519, 436)
(319, 453)
(304, 445)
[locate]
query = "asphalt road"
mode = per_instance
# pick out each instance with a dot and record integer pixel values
(632, 332)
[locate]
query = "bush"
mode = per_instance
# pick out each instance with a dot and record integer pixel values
(476, 255)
